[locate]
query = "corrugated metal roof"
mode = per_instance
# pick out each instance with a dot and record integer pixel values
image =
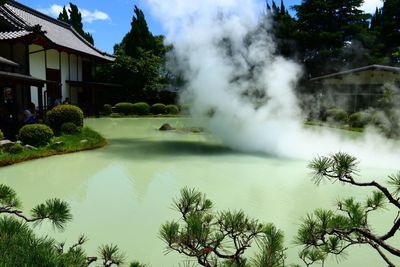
(366, 68)
(57, 32)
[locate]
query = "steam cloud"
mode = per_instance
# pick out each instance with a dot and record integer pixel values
(228, 61)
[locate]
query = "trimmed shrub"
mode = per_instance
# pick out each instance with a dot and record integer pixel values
(69, 128)
(107, 109)
(158, 109)
(1, 135)
(125, 108)
(141, 108)
(62, 114)
(172, 109)
(116, 115)
(35, 134)
(336, 115)
(360, 119)
(15, 149)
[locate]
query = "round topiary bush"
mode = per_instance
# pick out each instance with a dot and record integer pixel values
(125, 108)
(15, 149)
(141, 108)
(35, 134)
(172, 109)
(1, 135)
(69, 128)
(62, 114)
(158, 109)
(360, 119)
(336, 115)
(107, 109)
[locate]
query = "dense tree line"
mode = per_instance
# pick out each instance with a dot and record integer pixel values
(329, 35)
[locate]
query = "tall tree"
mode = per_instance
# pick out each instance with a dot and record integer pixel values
(390, 28)
(283, 27)
(325, 29)
(74, 18)
(139, 64)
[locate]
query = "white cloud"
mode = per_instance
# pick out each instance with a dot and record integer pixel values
(369, 6)
(53, 11)
(87, 15)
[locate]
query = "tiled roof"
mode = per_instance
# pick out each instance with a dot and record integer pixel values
(59, 33)
(13, 34)
(366, 68)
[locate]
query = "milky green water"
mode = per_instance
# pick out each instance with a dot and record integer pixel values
(122, 193)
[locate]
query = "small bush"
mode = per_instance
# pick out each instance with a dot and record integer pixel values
(1, 135)
(172, 109)
(336, 115)
(124, 108)
(360, 119)
(107, 109)
(141, 108)
(15, 149)
(69, 128)
(62, 114)
(184, 109)
(158, 109)
(35, 134)
(116, 115)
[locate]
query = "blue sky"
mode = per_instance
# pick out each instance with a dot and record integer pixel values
(109, 21)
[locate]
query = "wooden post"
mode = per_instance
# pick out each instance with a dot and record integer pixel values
(40, 98)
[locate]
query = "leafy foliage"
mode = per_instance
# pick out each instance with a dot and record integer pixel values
(326, 232)
(69, 128)
(74, 18)
(1, 135)
(35, 134)
(172, 109)
(62, 114)
(20, 247)
(216, 239)
(158, 108)
(336, 115)
(360, 119)
(140, 108)
(139, 64)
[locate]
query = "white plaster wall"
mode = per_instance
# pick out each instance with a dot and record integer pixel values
(37, 69)
(64, 75)
(71, 69)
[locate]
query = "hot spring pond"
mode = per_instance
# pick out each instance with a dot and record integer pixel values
(122, 193)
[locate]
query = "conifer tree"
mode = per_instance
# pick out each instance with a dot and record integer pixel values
(74, 17)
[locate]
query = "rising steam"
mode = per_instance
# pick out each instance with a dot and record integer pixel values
(228, 59)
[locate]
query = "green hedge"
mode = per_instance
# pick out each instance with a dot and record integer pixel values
(141, 108)
(1, 135)
(172, 109)
(336, 115)
(158, 109)
(35, 134)
(360, 119)
(69, 128)
(124, 108)
(62, 114)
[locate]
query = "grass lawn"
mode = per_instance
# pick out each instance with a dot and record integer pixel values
(70, 143)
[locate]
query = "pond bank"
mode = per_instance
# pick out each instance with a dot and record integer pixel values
(87, 139)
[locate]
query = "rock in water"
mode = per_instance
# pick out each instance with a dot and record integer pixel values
(166, 127)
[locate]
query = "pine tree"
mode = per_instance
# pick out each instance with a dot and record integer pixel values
(329, 32)
(74, 17)
(63, 16)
